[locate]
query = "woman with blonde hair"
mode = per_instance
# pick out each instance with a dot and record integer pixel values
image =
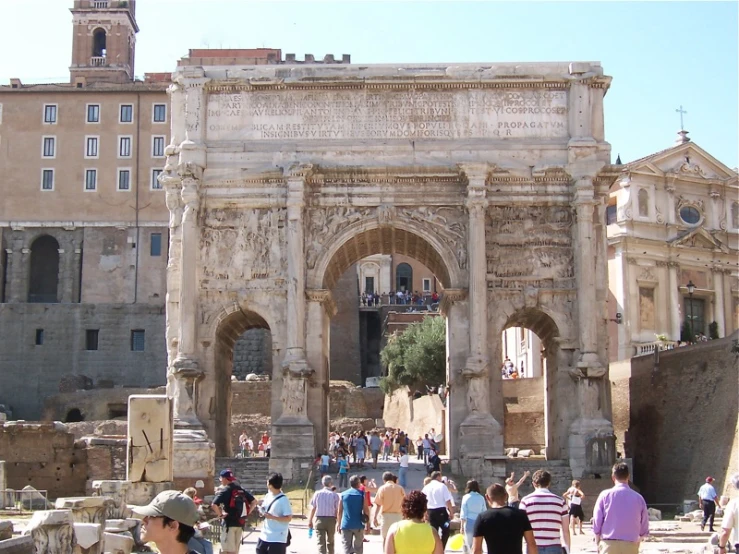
(413, 535)
(574, 496)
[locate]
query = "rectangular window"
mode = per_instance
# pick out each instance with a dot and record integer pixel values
(91, 179)
(160, 113)
(646, 309)
(155, 184)
(124, 147)
(91, 339)
(427, 285)
(126, 113)
(93, 113)
(124, 179)
(39, 337)
(138, 340)
(611, 212)
(49, 147)
(157, 147)
(50, 113)
(47, 179)
(695, 309)
(156, 244)
(91, 147)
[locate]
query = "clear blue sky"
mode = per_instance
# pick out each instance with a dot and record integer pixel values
(660, 54)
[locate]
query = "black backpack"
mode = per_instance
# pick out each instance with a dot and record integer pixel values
(238, 505)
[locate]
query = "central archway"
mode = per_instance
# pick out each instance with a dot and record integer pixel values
(229, 329)
(350, 247)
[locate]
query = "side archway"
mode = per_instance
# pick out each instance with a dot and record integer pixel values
(228, 331)
(44, 277)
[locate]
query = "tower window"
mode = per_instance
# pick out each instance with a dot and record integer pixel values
(138, 340)
(91, 339)
(124, 179)
(49, 147)
(47, 179)
(156, 244)
(124, 147)
(98, 43)
(93, 113)
(91, 147)
(91, 179)
(157, 147)
(39, 337)
(126, 113)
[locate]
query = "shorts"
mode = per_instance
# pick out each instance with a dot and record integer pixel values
(375, 453)
(231, 539)
(576, 511)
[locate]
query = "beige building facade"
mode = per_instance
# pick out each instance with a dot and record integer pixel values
(673, 250)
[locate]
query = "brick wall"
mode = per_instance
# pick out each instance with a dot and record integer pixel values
(29, 373)
(44, 456)
(524, 413)
(683, 420)
(253, 353)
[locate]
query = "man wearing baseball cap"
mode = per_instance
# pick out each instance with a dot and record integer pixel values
(168, 522)
(707, 501)
(230, 504)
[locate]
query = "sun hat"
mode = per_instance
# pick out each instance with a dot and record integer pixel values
(171, 504)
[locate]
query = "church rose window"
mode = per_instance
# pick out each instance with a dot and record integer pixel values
(690, 215)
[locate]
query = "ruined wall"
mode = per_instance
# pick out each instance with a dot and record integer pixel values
(683, 420)
(415, 416)
(94, 404)
(253, 353)
(32, 372)
(44, 456)
(524, 413)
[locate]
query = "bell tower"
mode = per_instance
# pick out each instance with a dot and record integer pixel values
(104, 41)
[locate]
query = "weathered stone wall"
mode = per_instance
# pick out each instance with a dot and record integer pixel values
(345, 356)
(29, 373)
(251, 397)
(416, 416)
(524, 413)
(253, 353)
(44, 456)
(94, 404)
(683, 420)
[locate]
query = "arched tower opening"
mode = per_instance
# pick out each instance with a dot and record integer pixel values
(44, 278)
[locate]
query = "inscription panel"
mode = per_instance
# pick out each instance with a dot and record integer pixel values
(386, 115)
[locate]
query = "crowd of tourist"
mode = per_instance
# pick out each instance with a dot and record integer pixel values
(247, 450)
(401, 298)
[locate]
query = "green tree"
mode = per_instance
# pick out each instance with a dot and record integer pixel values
(416, 357)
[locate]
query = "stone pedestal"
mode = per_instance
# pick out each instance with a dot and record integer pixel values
(17, 545)
(85, 509)
(592, 445)
(117, 544)
(150, 430)
(122, 493)
(480, 435)
(52, 532)
(296, 448)
(194, 459)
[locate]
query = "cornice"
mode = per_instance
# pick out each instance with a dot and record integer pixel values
(251, 86)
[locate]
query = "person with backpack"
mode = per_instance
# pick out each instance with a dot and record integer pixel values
(277, 512)
(232, 504)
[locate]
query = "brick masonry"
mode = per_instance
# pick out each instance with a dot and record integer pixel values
(253, 353)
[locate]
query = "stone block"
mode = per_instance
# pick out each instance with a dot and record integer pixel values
(654, 514)
(6, 530)
(194, 458)
(121, 494)
(52, 532)
(117, 544)
(85, 509)
(150, 439)
(32, 499)
(17, 545)
(89, 538)
(525, 453)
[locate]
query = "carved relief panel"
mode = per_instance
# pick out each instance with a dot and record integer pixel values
(243, 244)
(529, 246)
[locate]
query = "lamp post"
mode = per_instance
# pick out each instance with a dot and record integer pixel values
(691, 289)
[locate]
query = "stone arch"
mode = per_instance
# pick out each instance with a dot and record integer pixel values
(99, 42)
(366, 238)
(43, 284)
(229, 326)
(404, 277)
(546, 329)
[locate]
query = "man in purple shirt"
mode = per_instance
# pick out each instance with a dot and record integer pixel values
(620, 519)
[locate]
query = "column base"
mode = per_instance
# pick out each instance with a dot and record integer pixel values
(592, 447)
(194, 457)
(293, 446)
(480, 435)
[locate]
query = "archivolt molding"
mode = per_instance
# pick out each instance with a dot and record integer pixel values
(357, 232)
(220, 313)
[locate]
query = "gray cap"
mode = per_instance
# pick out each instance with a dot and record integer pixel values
(171, 504)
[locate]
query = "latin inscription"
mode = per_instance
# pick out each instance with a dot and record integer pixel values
(410, 115)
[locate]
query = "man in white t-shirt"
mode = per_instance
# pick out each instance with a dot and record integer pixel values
(277, 513)
(730, 521)
(440, 505)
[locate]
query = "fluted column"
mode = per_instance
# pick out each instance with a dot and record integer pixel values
(586, 297)
(672, 268)
(295, 268)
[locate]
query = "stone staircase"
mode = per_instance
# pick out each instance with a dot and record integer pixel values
(252, 473)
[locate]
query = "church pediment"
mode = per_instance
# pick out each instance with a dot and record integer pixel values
(687, 160)
(699, 238)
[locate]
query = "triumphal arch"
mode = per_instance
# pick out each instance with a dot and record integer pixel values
(280, 177)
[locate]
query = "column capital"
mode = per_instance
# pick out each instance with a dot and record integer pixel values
(323, 297)
(477, 174)
(450, 297)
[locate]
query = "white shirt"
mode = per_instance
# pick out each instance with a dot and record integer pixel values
(438, 495)
(731, 520)
(404, 460)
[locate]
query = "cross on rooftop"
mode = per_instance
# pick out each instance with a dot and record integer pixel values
(681, 112)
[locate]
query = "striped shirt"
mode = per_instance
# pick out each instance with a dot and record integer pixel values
(326, 503)
(545, 510)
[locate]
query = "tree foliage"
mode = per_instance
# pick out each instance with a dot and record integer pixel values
(416, 357)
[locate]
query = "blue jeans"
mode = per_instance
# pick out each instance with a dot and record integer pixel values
(550, 549)
(402, 477)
